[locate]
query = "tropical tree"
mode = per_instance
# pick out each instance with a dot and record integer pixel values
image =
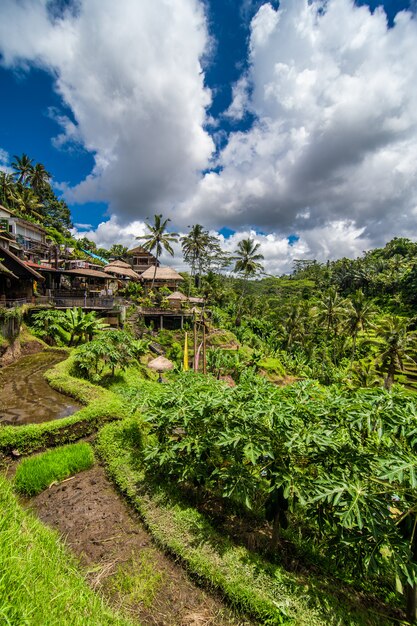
(117, 250)
(330, 311)
(38, 178)
(359, 312)
(247, 258)
(158, 239)
(194, 246)
(7, 188)
(247, 265)
(23, 167)
(394, 345)
(28, 204)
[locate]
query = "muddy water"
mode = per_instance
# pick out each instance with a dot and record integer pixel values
(26, 398)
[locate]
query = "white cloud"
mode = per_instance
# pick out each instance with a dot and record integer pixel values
(331, 156)
(4, 162)
(335, 136)
(131, 74)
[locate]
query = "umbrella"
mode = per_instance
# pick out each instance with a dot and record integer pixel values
(160, 364)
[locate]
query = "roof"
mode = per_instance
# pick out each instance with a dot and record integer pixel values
(177, 295)
(32, 225)
(196, 300)
(139, 250)
(19, 267)
(122, 271)
(118, 263)
(39, 268)
(4, 270)
(86, 272)
(3, 208)
(162, 273)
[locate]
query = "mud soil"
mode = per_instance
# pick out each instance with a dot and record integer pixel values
(120, 558)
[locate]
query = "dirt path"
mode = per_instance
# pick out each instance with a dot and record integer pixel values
(120, 559)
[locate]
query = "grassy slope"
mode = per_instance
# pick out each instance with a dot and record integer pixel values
(39, 581)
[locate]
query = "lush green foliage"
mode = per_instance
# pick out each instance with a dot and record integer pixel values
(68, 327)
(112, 349)
(343, 458)
(39, 583)
(255, 586)
(36, 473)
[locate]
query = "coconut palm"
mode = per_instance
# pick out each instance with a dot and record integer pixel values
(359, 312)
(247, 260)
(247, 265)
(395, 344)
(330, 311)
(38, 178)
(158, 239)
(194, 246)
(23, 167)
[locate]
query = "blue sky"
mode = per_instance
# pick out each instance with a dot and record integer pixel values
(225, 113)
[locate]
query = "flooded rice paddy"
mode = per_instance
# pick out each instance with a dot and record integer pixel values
(26, 397)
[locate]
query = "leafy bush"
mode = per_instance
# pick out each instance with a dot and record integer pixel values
(113, 349)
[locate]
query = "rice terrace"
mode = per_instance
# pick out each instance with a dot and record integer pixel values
(208, 313)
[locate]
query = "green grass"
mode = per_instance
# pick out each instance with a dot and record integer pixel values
(36, 473)
(136, 582)
(40, 584)
(254, 586)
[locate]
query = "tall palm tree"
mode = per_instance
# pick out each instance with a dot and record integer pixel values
(38, 178)
(247, 265)
(158, 239)
(22, 166)
(194, 246)
(395, 344)
(359, 312)
(247, 260)
(330, 311)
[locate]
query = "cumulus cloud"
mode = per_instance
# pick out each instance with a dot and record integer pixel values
(335, 136)
(331, 156)
(131, 74)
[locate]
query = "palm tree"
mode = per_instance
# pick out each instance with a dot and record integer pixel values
(7, 188)
(158, 239)
(23, 167)
(38, 178)
(194, 246)
(247, 264)
(247, 261)
(359, 311)
(395, 344)
(331, 310)
(27, 202)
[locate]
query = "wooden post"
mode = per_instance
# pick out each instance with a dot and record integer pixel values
(204, 349)
(195, 342)
(161, 322)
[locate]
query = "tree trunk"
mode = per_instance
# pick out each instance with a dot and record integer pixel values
(411, 595)
(389, 379)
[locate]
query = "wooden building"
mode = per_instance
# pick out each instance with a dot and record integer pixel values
(140, 259)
